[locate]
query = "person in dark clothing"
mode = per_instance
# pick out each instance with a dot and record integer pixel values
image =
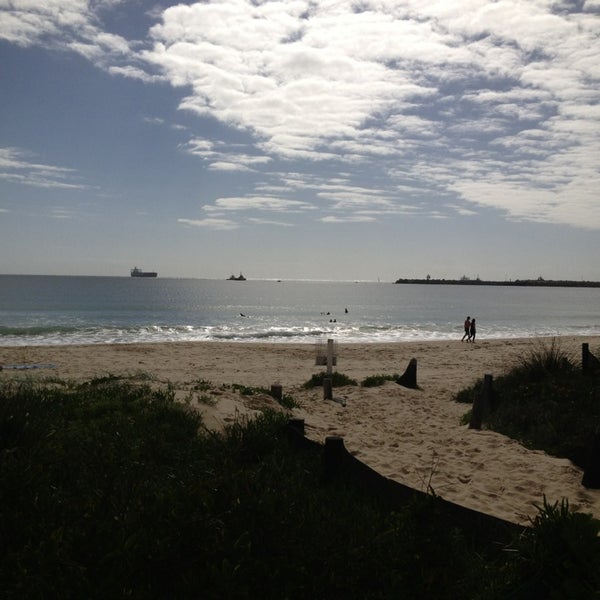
(467, 330)
(472, 331)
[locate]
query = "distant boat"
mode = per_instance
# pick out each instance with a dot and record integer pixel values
(240, 277)
(135, 272)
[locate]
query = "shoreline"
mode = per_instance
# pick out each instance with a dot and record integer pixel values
(412, 436)
(312, 339)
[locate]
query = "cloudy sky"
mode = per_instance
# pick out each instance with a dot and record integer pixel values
(316, 139)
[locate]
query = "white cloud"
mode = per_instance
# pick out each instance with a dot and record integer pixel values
(228, 166)
(218, 224)
(344, 197)
(27, 22)
(67, 25)
(347, 219)
(223, 158)
(244, 70)
(133, 72)
(417, 82)
(269, 222)
(469, 103)
(465, 212)
(263, 203)
(16, 166)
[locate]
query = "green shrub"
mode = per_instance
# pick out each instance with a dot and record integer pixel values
(247, 390)
(559, 557)
(337, 380)
(88, 476)
(288, 401)
(202, 385)
(377, 380)
(467, 396)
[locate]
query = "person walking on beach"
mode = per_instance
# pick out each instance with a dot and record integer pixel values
(467, 330)
(472, 331)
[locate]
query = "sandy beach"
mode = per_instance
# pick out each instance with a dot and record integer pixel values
(412, 436)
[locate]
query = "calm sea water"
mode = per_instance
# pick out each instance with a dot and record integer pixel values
(44, 310)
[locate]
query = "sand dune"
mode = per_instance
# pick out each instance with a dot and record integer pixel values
(412, 436)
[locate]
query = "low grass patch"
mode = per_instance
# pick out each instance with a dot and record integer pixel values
(377, 380)
(201, 385)
(114, 490)
(337, 380)
(287, 400)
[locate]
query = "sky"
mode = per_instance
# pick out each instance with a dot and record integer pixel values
(340, 140)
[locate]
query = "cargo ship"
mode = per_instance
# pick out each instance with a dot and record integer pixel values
(135, 272)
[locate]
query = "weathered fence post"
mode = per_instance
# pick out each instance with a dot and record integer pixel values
(591, 474)
(585, 358)
(589, 363)
(409, 378)
(482, 403)
(327, 388)
(277, 391)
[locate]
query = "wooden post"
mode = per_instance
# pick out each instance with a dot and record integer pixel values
(329, 357)
(591, 475)
(327, 388)
(589, 363)
(482, 403)
(409, 378)
(277, 391)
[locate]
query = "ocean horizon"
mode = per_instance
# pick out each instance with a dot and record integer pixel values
(57, 309)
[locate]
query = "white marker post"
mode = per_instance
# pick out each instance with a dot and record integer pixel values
(328, 380)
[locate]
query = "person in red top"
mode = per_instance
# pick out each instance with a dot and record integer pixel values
(467, 330)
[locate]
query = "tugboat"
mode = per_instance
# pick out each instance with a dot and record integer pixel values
(240, 277)
(135, 272)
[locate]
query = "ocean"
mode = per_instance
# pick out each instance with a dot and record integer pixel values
(55, 310)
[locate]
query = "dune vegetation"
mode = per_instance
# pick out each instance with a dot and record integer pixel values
(546, 402)
(112, 489)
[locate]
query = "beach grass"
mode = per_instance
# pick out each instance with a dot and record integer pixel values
(337, 380)
(546, 402)
(286, 401)
(379, 379)
(112, 489)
